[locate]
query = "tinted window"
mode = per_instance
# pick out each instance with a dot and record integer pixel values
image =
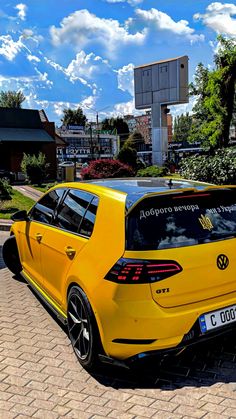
(43, 210)
(176, 221)
(86, 227)
(72, 210)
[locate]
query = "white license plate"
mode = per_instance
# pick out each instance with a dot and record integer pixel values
(217, 318)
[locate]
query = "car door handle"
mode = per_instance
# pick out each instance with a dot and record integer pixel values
(39, 237)
(70, 251)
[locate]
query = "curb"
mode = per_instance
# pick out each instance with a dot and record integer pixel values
(5, 225)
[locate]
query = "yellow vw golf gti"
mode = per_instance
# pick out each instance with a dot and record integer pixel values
(134, 267)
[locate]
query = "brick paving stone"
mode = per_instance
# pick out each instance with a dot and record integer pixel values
(100, 410)
(229, 402)
(7, 415)
(147, 412)
(119, 405)
(116, 414)
(23, 399)
(78, 414)
(212, 407)
(36, 385)
(230, 411)
(116, 395)
(46, 414)
(214, 415)
(212, 398)
(161, 414)
(191, 411)
(143, 401)
(187, 400)
(22, 409)
(4, 395)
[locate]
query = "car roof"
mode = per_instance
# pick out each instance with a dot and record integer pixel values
(136, 188)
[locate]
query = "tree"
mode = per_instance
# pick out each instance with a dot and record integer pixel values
(11, 99)
(118, 125)
(74, 117)
(215, 91)
(182, 128)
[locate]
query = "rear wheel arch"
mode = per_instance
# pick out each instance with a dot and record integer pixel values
(94, 311)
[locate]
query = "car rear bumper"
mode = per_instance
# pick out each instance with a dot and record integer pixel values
(135, 330)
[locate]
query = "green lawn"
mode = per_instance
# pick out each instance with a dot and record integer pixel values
(44, 187)
(18, 202)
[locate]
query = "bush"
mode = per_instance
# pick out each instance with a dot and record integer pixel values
(5, 190)
(99, 169)
(152, 171)
(219, 168)
(35, 167)
(128, 155)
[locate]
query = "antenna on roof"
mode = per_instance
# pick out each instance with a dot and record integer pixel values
(170, 183)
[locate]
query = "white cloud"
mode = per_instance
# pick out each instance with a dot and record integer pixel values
(21, 10)
(130, 2)
(82, 68)
(85, 66)
(125, 108)
(176, 110)
(218, 17)
(89, 102)
(157, 20)
(82, 28)
(33, 58)
(43, 77)
(125, 78)
(10, 48)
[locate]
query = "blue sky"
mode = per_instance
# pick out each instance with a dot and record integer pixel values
(69, 53)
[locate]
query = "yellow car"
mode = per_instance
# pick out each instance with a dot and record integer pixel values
(133, 266)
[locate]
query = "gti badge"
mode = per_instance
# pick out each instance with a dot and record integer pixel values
(222, 262)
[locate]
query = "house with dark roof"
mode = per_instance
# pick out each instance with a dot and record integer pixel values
(26, 131)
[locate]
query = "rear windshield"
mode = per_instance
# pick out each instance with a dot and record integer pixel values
(164, 222)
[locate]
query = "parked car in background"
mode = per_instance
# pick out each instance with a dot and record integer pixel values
(134, 267)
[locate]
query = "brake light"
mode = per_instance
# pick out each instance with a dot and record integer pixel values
(131, 271)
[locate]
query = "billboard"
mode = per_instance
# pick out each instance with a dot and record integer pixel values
(161, 82)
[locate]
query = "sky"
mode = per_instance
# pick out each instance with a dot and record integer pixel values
(70, 53)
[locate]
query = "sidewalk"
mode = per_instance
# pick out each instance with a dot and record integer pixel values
(26, 190)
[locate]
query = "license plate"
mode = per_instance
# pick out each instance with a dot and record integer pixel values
(217, 318)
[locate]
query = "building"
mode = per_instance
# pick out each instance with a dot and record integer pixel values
(131, 122)
(26, 131)
(144, 126)
(88, 144)
(170, 127)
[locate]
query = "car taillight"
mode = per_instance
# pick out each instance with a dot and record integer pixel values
(131, 271)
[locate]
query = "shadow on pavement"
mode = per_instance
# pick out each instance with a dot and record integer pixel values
(200, 365)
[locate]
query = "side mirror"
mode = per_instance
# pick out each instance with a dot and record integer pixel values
(20, 216)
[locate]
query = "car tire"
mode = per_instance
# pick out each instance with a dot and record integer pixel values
(11, 255)
(83, 329)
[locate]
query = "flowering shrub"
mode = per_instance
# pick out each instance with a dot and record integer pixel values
(100, 169)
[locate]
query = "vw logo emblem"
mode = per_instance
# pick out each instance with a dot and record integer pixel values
(222, 262)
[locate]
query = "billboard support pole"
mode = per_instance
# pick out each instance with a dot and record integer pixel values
(159, 134)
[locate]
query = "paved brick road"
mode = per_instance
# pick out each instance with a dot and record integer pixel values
(40, 377)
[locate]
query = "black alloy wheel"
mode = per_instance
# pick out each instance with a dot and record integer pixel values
(82, 328)
(11, 255)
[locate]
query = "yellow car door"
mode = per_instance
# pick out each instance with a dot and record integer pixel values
(32, 235)
(64, 241)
